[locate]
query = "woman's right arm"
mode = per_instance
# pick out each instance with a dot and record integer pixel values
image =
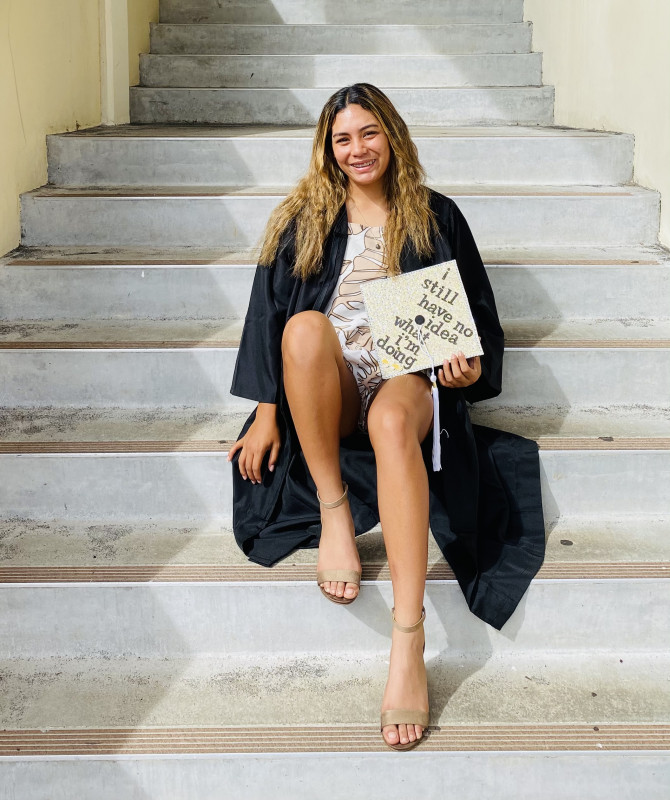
(257, 374)
(261, 436)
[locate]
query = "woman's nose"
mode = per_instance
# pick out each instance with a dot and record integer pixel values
(359, 146)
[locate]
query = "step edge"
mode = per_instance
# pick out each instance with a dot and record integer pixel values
(333, 738)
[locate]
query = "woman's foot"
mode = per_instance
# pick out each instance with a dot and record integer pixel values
(407, 686)
(337, 549)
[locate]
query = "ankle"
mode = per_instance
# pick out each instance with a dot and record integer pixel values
(333, 496)
(408, 619)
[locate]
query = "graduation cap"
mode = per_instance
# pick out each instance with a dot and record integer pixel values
(427, 305)
(418, 319)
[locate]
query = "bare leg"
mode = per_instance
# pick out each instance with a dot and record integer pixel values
(399, 420)
(324, 403)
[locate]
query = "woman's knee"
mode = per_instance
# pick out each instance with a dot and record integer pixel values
(306, 336)
(392, 425)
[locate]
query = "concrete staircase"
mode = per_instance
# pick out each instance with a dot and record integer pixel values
(141, 655)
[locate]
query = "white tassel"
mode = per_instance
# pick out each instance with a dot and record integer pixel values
(437, 447)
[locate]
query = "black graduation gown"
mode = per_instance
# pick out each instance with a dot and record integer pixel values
(485, 504)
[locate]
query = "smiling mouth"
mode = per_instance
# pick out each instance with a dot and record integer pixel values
(363, 164)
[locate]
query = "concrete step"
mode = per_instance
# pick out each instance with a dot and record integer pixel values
(186, 619)
(72, 333)
(498, 216)
(47, 299)
(187, 428)
(307, 689)
(430, 12)
(510, 762)
(189, 482)
(442, 38)
(61, 550)
(316, 71)
(467, 106)
(137, 376)
(134, 155)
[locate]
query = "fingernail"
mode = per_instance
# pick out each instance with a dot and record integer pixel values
(271, 467)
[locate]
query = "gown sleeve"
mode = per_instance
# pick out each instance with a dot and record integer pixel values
(257, 372)
(482, 305)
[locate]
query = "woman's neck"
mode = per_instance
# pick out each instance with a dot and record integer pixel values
(368, 208)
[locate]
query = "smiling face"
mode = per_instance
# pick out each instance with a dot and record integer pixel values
(360, 146)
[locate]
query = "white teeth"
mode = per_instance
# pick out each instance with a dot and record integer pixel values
(364, 163)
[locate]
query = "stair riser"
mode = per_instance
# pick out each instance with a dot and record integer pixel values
(187, 620)
(495, 106)
(337, 70)
(186, 293)
(242, 161)
(201, 377)
(239, 221)
(357, 776)
(366, 40)
(195, 488)
(429, 12)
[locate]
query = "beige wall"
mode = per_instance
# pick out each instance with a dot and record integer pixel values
(610, 63)
(49, 81)
(140, 14)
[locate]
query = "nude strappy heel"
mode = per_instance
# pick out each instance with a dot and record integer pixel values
(332, 575)
(406, 716)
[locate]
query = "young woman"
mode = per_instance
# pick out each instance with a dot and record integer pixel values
(331, 448)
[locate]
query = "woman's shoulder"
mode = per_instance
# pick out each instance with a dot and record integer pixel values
(448, 215)
(442, 206)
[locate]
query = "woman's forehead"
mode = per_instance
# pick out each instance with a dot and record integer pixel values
(352, 119)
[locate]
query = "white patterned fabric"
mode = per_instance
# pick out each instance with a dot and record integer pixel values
(363, 261)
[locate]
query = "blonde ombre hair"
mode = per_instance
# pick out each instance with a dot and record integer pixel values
(321, 193)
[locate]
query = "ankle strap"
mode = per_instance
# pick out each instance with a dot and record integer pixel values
(337, 502)
(410, 628)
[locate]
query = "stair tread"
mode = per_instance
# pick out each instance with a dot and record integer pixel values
(544, 702)
(306, 132)
(492, 190)
(330, 738)
(34, 551)
(64, 255)
(202, 429)
(137, 333)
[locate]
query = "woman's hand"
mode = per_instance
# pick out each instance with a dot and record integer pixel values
(263, 435)
(459, 371)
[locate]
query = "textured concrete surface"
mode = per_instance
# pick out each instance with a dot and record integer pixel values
(306, 689)
(210, 156)
(351, 38)
(580, 617)
(317, 71)
(195, 487)
(184, 423)
(93, 298)
(430, 12)
(27, 542)
(471, 106)
(505, 776)
(236, 218)
(555, 377)
(637, 332)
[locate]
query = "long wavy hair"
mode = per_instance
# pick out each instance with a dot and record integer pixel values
(320, 194)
